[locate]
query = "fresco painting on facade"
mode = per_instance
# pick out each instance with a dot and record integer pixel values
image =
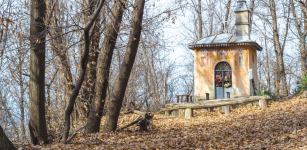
(214, 54)
(204, 58)
(239, 57)
(222, 53)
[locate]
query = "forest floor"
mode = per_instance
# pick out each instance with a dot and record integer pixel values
(282, 126)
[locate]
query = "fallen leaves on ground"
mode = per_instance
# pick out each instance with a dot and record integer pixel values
(282, 126)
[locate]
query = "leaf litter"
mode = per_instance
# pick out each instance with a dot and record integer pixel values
(282, 126)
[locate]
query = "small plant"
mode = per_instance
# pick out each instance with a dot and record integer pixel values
(303, 83)
(271, 94)
(267, 93)
(260, 93)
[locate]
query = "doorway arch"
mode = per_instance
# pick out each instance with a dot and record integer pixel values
(223, 80)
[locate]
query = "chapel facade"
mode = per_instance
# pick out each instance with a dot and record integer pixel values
(225, 65)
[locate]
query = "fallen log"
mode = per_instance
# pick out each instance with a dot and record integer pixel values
(142, 121)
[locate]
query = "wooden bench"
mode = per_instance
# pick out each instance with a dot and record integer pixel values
(186, 109)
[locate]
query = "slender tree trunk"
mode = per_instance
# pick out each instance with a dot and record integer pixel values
(200, 20)
(302, 35)
(211, 13)
(303, 6)
(303, 55)
(84, 60)
(227, 16)
(5, 143)
(267, 62)
(122, 79)
(303, 41)
(11, 118)
(21, 101)
(3, 41)
(58, 47)
(103, 68)
(48, 106)
(37, 123)
(277, 76)
(279, 50)
(88, 88)
(252, 8)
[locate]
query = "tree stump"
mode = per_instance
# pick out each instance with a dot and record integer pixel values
(143, 121)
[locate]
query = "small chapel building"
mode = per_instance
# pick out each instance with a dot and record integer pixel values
(225, 65)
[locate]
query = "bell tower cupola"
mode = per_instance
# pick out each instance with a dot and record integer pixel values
(242, 21)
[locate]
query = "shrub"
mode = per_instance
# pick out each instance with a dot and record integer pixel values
(303, 83)
(260, 93)
(268, 93)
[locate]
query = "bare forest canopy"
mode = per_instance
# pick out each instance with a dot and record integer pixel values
(77, 61)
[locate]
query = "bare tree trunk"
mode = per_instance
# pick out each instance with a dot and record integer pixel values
(267, 62)
(3, 39)
(103, 68)
(303, 54)
(279, 50)
(302, 34)
(48, 98)
(122, 79)
(37, 123)
(88, 88)
(303, 6)
(58, 47)
(84, 59)
(252, 8)
(10, 117)
(227, 16)
(5, 143)
(277, 76)
(211, 13)
(21, 100)
(200, 20)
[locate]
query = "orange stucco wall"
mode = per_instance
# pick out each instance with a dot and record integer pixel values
(253, 64)
(240, 60)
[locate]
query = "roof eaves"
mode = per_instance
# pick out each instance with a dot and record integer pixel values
(225, 44)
